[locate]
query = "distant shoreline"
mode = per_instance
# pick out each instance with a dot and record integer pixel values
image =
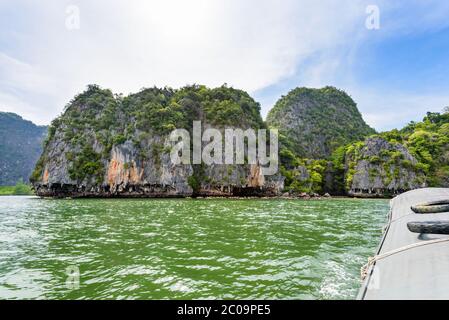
(209, 198)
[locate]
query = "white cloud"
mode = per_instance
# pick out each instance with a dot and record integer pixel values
(126, 45)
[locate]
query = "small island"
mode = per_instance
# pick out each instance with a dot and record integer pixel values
(108, 145)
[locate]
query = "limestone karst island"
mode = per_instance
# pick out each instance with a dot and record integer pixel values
(235, 157)
(105, 145)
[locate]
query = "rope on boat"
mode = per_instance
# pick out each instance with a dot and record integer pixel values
(372, 260)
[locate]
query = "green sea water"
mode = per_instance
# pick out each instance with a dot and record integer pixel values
(186, 248)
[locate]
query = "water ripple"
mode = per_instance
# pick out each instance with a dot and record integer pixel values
(186, 249)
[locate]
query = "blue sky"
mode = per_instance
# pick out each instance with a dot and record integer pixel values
(395, 73)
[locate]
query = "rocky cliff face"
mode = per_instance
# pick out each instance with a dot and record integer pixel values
(20, 147)
(377, 167)
(398, 160)
(315, 122)
(112, 146)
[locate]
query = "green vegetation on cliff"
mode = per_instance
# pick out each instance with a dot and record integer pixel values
(163, 110)
(20, 189)
(428, 141)
(325, 146)
(314, 123)
(304, 176)
(388, 162)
